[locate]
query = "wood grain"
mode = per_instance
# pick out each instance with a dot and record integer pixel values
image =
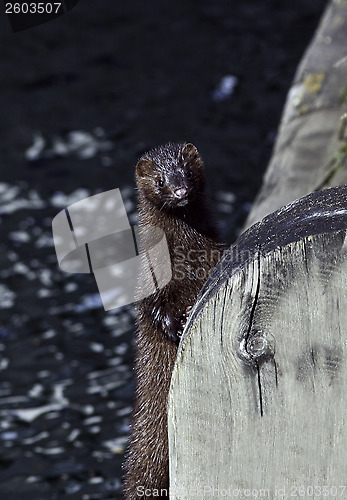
(258, 396)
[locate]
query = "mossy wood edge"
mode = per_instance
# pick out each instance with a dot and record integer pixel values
(258, 395)
(309, 153)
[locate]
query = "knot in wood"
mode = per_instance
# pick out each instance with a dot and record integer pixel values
(256, 347)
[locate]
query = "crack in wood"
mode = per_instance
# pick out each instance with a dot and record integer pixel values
(255, 301)
(222, 316)
(260, 390)
(276, 372)
(249, 335)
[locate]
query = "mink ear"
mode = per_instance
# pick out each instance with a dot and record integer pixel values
(190, 152)
(143, 167)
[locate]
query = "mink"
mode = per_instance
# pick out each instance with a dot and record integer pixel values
(171, 196)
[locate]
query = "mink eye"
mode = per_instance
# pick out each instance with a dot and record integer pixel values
(189, 174)
(161, 183)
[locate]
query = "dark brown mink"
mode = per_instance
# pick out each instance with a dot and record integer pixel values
(171, 195)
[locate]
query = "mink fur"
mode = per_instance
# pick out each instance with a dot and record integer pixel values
(171, 196)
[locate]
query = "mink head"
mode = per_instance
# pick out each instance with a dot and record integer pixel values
(171, 176)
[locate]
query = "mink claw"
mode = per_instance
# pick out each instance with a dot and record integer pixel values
(185, 315)
(182, 322)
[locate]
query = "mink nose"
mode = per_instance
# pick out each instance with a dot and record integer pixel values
(181, 193)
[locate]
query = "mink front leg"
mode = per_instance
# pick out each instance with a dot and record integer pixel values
(147, 462)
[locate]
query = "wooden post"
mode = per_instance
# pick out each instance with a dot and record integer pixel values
(258, 400)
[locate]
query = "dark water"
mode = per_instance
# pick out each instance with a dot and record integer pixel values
(81, 98)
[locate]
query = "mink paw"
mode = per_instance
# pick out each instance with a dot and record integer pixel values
(173, 329)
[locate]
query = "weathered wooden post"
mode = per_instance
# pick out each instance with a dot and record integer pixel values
(258, 400)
